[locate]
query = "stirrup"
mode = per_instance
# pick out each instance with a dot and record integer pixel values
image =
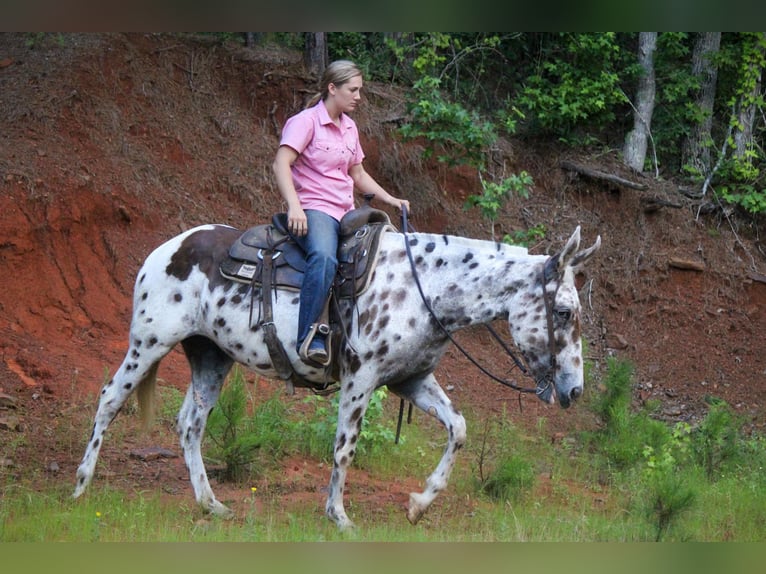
(316, 357)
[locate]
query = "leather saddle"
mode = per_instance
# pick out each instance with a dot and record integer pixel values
(360, 232)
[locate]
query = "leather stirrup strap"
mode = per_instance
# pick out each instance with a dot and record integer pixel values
(276, 350)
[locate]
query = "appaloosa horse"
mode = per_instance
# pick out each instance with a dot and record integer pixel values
(398, 336)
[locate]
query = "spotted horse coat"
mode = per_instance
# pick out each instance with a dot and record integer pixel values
(396, 341)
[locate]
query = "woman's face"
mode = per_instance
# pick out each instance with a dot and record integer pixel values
(346, 96)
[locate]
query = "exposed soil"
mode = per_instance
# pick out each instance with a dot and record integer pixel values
(112, 143)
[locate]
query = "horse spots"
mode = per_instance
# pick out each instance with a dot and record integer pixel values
(128, 386)
(383, 323)
(430, 246)
(341, 442)
(177, 297)
(144, 296)
(221, 302)
(413, 241)
(473, 265)
(369, 355)
(440, 262)
(221, 322)
(152, 342)
(356, 415)
(355, 364)
(411, 322)
(468, 256)
(96, 443)
(236, 300)
(400, 296)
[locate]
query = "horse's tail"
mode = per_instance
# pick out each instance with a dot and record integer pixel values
(147, 397)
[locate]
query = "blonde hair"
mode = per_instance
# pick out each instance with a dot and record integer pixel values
(338, 72)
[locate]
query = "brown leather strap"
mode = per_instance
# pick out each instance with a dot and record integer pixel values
(276, 350)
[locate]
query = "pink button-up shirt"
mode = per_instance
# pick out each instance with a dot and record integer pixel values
(325, 155)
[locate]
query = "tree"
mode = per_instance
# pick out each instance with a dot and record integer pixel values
(754, 59)
(634, 152)
(695, 151)
(315, 54)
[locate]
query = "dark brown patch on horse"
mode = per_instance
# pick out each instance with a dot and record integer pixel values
(205, 248)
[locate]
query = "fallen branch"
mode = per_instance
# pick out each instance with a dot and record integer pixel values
(686, 264)
(595, 174)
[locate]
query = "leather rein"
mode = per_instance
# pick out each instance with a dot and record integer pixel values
(541, 384)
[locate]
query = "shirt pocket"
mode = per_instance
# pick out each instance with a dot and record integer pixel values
(329, 154)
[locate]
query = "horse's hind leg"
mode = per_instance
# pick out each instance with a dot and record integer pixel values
(427, 395)
(209, 366)
(134, 372)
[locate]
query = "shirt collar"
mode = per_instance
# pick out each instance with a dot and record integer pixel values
(324, 116)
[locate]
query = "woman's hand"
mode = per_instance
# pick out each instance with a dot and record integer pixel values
(296, 221)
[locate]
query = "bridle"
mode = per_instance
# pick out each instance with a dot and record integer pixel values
(543, 383)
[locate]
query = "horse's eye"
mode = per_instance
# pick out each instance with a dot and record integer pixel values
(563, 314)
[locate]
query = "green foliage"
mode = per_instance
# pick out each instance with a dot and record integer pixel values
(626, 434)
(670, 492)
(316, 435)
(456, 135)
(494, 195)
(576, 83)
(526, 237)
(512, 477)
(504, 471)
(239, 439)
(716, 439)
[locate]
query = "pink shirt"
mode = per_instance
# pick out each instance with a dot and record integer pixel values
(325, 155)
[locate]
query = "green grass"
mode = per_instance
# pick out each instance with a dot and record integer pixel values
(628, 478)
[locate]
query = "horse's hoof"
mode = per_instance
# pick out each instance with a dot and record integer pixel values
(416, 509)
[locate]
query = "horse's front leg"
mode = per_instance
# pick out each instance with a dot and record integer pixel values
(427, 395)
(354, 399)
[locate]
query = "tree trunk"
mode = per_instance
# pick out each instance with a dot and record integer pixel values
(315, 54)
(695, 151)
(743, 137)
(636, 141)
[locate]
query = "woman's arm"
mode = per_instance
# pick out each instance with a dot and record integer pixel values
(365, 183)
(296, 217)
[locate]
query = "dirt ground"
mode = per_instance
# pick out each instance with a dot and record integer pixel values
(112, 143)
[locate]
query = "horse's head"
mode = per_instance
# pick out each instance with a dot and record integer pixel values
(548, 330)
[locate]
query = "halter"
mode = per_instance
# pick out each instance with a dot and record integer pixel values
(544, 382)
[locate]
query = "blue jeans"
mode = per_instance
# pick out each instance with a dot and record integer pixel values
(321, 247)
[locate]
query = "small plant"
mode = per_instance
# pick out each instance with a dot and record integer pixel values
(238, 439)
(318, 432)
(626, 433)
(494, 195)
(670, 493)
(715, 440)
(512, 477)
(525, 238)
(504, 472)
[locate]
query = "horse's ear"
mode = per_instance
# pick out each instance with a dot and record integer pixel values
(580, 258)
(569, 250)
